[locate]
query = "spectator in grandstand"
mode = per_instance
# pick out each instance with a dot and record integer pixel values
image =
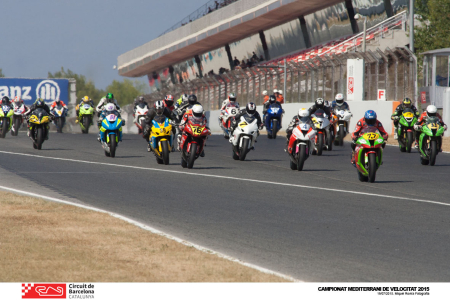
(210, 10)
(217, 4)
(280, 97)
(254, 57)
(243, 64)
(249, 63)
(266, 96)
(261, 58)
(236, 61)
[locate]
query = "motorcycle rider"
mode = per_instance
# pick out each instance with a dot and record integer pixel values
(406, 103)
(192, 100)
(280, 97)
(320, 104)
(137, 101)
(39, 103)
(58, 102)
(183, 99)
(109, 98)
(303, 116)
(430, 112)
(370, 119)
(199, 115)
(249, 110)
(7, 101)
(272, 101)
(231, 100)
(158, 109)
(18, 102)
(168, 102)
(339, 103)
(84, 100)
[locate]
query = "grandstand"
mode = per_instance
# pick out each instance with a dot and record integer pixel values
(292, 29)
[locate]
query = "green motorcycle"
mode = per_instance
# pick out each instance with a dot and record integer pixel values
(406, 130)
(6, 116)
(85, 117)
(430, 140)
(369, 153)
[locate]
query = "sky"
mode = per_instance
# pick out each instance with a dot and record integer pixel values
(85, 36)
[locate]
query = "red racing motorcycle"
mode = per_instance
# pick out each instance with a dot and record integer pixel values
(193, 141)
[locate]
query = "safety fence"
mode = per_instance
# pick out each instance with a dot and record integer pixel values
(322, 76)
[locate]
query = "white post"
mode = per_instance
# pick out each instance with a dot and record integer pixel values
(285, 78)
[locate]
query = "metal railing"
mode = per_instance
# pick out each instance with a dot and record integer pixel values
(393, 70)
(205, 9)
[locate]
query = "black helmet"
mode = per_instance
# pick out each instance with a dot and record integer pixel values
(272, 99)
(251, 108)
(140, 99)
(320, 103)
(159, 107)
(40, 103)
(5, 100)
(192, 99)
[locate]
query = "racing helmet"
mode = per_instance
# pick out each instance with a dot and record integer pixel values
(232, 97)
(169, 100)
(110, 98)
(85, 99)
(303, 113)
(275, 91)
(264, 93)
(192, 99)
(197, 111)
(5, 100)
(18, 100)
(280, 92)
(431, 111)
(320, 103)
(339, 99)
(110, 107)
(39, 102)
(251, 108)
(184, 98)
(57, 100)
(370, 117)
(140, 99)
(407, 103)
(272, 99)
(159, 107)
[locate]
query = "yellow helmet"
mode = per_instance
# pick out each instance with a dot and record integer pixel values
(85, 99)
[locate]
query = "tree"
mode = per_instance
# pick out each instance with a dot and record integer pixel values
(1, 73)
(84, 87)
(434, 32)
(126, 91)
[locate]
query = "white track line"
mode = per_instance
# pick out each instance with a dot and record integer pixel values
(155, 231)
(234, 178)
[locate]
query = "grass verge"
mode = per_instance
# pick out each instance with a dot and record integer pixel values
(42, 241)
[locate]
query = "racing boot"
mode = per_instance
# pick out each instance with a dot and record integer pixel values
(202, 154)
(395, 133)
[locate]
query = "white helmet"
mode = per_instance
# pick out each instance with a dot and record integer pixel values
(184, 98)
(264, 93)
(280, 92)
(159, 107)
(339, 99)
(275, 91)
(303, 112)
(431, 110)
(110, 107)
(197, 110)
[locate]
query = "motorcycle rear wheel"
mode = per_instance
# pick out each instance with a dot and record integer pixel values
(243, 150)
(113, 144)
(372, 167)
(192, 154)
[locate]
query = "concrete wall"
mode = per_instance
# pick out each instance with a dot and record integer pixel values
(383, 109)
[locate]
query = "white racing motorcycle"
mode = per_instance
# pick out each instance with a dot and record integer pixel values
(244, 137)
(324, 137)
(17, 118)
(301, 143)
(344, 116)
(139, 116)
(230, 111)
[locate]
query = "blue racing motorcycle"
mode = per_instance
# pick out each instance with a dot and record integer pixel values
(273, 120)
(111, 131)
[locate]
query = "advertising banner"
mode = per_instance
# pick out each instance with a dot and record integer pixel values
(31, 89)
(355, 79)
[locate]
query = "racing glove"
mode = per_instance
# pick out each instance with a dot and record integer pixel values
(445, 126)
(418, 127)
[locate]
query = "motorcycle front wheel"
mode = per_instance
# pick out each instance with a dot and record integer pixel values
(113, 144)
(372, 167)
(274, 128)
(86, 124)
(39, 137)
(165, 152)
(192, 154)
(243, 150)
(319, 144)
(59, 125)
(301, 158)
(433, 154)
(5, 126)
(409, 141)
(341, 135)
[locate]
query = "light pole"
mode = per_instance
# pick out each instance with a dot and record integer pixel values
(357, 16)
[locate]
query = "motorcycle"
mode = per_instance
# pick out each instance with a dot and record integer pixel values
(369, 153)
(301, 143)
(244, 137)
(111, 131)
(39, 126)
(161, 139)
(343, 123)
(231, 110)
(139, 116)
(430, 140)
(60, 113)
(325, 132)
(273, 120)
(85, 116)
(406, 130)
(17, 119)
(192, 143)
(6, 114)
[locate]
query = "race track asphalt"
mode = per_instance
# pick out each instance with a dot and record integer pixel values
(320, 224)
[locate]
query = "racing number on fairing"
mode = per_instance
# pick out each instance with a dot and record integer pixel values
(243, 124)
(197, 129)
(371, 136)
(233, 111)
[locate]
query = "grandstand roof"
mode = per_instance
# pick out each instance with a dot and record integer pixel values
(234, 22)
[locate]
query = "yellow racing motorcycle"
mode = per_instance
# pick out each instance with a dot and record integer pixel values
(39, 127)
(161, 139)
